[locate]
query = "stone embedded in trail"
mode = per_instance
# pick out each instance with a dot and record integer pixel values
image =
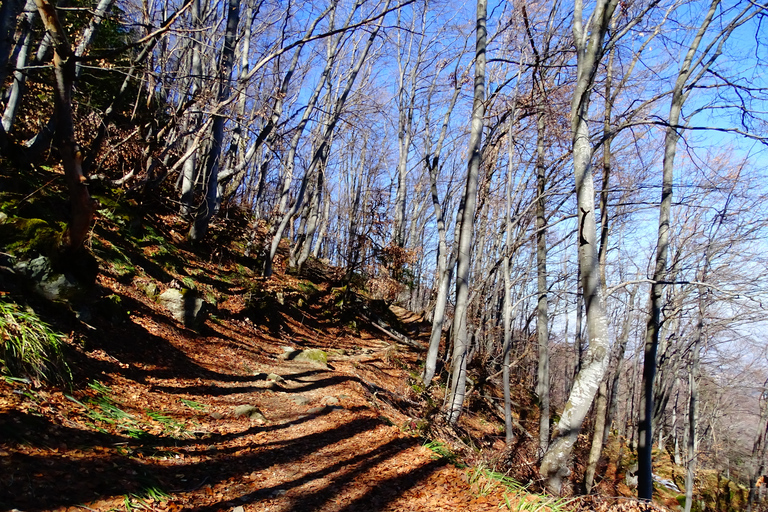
(301, 400)
(288, 353)
(275, 377)
(330, 400)
(250, 411)
(185, 306)
(314, 356)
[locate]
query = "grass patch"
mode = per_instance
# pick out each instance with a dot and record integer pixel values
(147, 499)
(107, 415)
(29, 347)
(197, 406)
(443, 453)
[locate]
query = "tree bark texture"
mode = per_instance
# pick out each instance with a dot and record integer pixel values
(83, 206)
(589, 45)
(458, 384)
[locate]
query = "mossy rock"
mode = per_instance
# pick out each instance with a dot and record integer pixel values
(313, 355)
(24, 238)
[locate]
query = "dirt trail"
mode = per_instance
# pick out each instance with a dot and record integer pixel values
(156, 429)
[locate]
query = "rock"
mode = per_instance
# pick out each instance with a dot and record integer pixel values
(288, 353)
(631, 475)
(84, 314)
(314, 356)
(275, 377)
(150, 289)
(301, 400)
(50, 283)
(238, 508)
(251, 411)
(317, 410)
(330, 400)
(185, 306)
(216, 415)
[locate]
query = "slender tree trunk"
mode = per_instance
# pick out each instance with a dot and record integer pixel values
(207, 209)
(445, 264)
(325, 219)
(589, 45)
(323, 147)
(9, 10)
(759, 451)
(464, 254)
(645, 425)
(190, 169)
(542, 315)
(19, 74)
(693, 406)
(601, 408)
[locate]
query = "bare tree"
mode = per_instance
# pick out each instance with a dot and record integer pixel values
(457, 389)
(589, 52)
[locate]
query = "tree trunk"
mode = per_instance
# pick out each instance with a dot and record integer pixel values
(554, 466)
(19, 75)
(83, 206)
(464, 254)
(323, 146)
(190, 169)
(645, 426)
(445, 264)
(206, 211)
(542, 315)
(759, 450)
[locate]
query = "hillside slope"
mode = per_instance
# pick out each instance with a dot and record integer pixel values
(294, 393)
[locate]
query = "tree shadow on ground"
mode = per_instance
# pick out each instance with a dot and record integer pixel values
(102, 467)
(344, 473)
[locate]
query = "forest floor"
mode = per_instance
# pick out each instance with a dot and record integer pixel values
(155, 418)
(151, 422)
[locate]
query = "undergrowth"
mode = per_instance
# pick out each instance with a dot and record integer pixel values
(517, 497)
(29, 347)
(107, 414)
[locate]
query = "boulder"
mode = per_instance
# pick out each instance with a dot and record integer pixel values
(51, 283)
(185, 306)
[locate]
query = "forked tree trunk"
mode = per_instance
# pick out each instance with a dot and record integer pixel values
(445, 264)
(206, 211)
(83, 206)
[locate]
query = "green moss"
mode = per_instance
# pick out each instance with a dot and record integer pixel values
(313, 355)
(27, 237)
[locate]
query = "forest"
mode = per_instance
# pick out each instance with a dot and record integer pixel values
(556, 210)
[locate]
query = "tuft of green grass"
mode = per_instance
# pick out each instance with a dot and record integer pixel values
(442, 452)
(145, 499)
(105, 413)
(516, 496)
(29, 347)
(197, 406)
